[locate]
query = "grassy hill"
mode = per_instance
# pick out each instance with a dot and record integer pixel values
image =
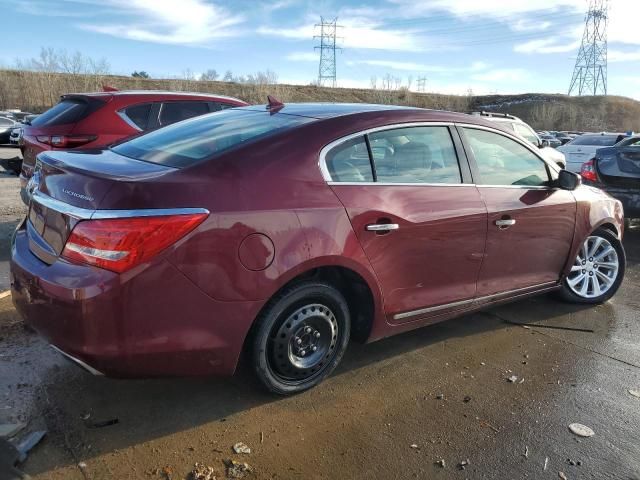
(37, 91)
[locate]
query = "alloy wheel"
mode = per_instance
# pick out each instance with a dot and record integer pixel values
(595, 269)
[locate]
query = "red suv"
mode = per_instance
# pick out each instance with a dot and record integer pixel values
(284, 232)
(96, 120)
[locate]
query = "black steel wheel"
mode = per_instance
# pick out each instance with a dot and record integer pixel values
(301, 337)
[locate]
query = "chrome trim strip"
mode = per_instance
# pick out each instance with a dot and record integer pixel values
(86, 214)
(127, 120)
(461, 303)
(523, 187)
(60, 206)
(387, 184)
(79, 362)
(148, 212)
(323, 153)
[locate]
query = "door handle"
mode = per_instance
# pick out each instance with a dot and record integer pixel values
(382, 227)
(505, 223)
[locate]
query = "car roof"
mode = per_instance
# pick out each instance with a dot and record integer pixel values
(323, 111)
(154, 93)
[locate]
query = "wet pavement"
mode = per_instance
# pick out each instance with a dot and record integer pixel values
(393, 409)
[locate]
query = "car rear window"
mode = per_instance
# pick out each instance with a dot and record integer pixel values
(596, 140)
(198, 139)
(70, 110)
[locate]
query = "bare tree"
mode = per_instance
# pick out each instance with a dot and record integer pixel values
(210, 75)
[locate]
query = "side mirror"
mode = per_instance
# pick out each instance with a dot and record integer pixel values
(544, 144)
(568, 180)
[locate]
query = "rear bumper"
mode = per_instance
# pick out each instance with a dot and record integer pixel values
(152, 321)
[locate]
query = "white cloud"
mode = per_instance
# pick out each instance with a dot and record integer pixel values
(507, 74)
(620, 56)
(488, 8)
(356, 35)
(421, 67)
(182, 22)
(548, 45)
(302, 57)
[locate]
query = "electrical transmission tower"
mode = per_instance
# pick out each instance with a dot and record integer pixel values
(327, 47)
(590, 73)
(421, 84)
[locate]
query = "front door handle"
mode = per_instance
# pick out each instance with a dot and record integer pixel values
(505, 223)
(382, 227)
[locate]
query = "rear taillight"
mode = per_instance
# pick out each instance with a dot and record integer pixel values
(588, 171)
(122, 243)
(66, 141)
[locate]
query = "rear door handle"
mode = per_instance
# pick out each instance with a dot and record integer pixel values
(505, 223)
(382, 227)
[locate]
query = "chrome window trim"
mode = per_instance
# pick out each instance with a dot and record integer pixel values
(388, 184)
(88, 214)
(322, 164)
(127, 120)
(437, 308)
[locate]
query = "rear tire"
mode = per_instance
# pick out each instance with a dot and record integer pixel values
(301, 337)
(598, 270)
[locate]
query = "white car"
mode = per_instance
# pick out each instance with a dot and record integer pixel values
(524, 131)
(583, 148)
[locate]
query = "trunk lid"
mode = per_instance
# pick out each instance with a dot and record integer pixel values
(619, 166)
(69, 186)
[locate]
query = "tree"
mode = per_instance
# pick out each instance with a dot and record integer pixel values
(140, 74)
(228, 76)
(209, 76)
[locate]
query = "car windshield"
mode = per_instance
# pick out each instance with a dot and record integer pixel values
(629, 142)
(198, 139)
(595, 140)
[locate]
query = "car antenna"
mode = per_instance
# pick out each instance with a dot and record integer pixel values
(273, 104)
(109, 88)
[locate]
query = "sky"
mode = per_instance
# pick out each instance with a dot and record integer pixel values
(486, 46)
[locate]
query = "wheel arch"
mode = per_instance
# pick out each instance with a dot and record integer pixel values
(355, 282)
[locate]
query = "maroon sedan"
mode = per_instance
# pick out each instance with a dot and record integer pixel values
(96, 120)
(287, 230)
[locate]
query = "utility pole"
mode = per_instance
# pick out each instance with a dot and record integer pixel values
(590, 73)
(421, 84)
(327, 47)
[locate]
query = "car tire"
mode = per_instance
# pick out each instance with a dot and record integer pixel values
(579, 286)
(300, 337)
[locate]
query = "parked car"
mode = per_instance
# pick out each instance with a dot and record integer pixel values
(16, 132)
(616, 170)
(285, 231)
(584, 147)
(524, 131)
(95, 120)
(564, 137)
(6, 125)
(550, 141)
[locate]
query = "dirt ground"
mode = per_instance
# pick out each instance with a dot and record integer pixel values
(414, 406)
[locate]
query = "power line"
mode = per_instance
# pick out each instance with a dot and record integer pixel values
(327, 47)
(590, 72)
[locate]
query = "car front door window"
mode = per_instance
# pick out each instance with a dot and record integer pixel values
(503, 161)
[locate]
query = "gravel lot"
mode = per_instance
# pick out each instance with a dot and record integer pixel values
(413, 406)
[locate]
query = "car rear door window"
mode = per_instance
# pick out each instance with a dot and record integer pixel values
(415, 155)
(504, 162)
(172, 112)
(349, 162)
(596, 140)
(139, 115)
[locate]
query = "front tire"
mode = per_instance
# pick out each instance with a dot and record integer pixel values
(598, 270)
(301, 337)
